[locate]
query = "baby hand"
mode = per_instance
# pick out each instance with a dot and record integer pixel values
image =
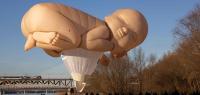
(123, 31)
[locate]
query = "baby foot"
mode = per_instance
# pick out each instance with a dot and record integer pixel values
(58, 38)
(53, 39)
(61, 41)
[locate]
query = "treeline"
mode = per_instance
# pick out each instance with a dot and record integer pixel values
(176, 71)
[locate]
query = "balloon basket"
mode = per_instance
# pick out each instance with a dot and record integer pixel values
(80, 85)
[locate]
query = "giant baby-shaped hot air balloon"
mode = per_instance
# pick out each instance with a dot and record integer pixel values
(79, 37)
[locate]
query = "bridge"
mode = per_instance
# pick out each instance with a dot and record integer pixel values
(24, 84)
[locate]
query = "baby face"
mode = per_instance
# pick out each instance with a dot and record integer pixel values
(126, 41)
(123, 37)
(115, 24)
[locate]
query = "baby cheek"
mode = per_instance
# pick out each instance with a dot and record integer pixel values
(126, 41)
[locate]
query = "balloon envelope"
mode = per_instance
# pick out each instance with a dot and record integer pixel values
(80, 62)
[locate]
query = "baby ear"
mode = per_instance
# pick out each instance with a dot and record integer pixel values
(30, 43)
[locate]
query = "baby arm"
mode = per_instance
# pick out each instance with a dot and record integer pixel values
(97, 39)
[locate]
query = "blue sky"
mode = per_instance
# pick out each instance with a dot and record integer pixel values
(162, 17)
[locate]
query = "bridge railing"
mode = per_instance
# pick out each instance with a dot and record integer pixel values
(36, 83)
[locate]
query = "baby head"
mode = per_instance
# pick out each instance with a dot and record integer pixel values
(129, 29)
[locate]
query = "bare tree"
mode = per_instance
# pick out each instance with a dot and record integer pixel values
(188, 31)
(151, 60)
(114, 78)
(138, 59)
(148, 73)
(188, 50)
